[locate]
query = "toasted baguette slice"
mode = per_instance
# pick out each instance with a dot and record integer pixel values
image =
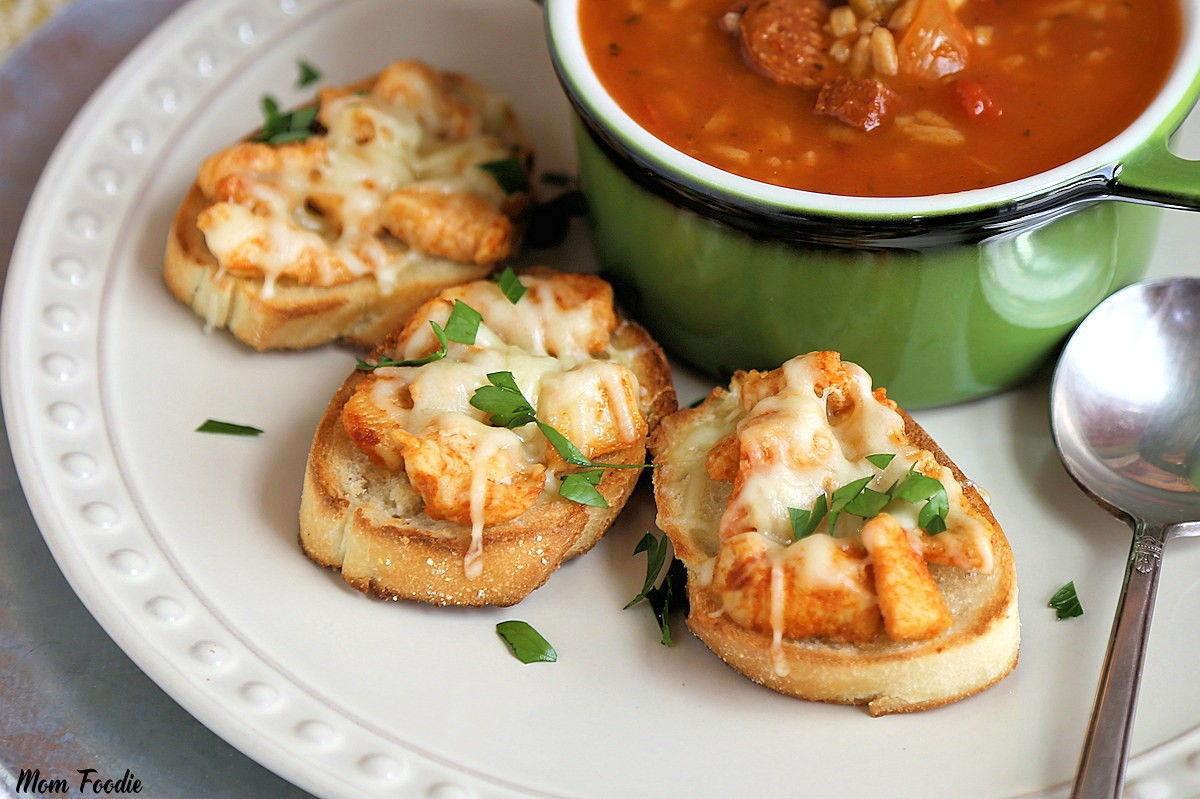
(293, 315)
(263, 243)
(368, 520)
(750, 631)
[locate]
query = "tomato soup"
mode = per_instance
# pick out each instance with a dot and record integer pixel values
(883, 97)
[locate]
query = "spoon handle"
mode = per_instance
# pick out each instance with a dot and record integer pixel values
(1106, 748)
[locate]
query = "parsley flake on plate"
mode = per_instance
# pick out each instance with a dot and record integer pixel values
(227, 428)
(671, 593)
(526, 643)
(1065, 602)
(308, 74)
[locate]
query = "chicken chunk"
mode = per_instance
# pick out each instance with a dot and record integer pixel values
(909, 599)
(392, 171)
(258, 161)
(378, 406)
(595, 406)
(772, 590)
(721, 463)
(434, 96)
(456, 225)
(469, 473)
(569, 317)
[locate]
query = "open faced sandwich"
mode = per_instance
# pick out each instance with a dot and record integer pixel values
(338, 219)
(495, 435)
(833, 550)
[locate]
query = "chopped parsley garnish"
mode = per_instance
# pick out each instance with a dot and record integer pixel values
(227, 428)
(581, 487)
(461, 327)
(503, 401)
(656, 550)
(385, 361)
(286, 127)
(858, 499)
(868, 504)
(843, 496)
(506, 406)
(671, 593)
(804, 522)
(563, 446)
(463, 324)
(511, 285)
(933, 515)
(508, 173)
(308, 74)
(881, 460)
(526, 643)
(1065, 602)
(916, 487)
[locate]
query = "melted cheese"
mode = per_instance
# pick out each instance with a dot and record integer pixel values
(450, 167)
(376, 144)
(798, 451)
(489, 441)
(593, 402)
(803, 441)
(555, 318)
(446, 386)
(778, 607)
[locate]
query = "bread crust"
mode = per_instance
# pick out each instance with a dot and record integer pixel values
(289, 314)
(294, 316)
(351, 522)
(977, 651)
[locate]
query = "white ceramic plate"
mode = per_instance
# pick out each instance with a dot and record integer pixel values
(184, 545)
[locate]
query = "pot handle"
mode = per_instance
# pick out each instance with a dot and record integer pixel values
(1153, 174)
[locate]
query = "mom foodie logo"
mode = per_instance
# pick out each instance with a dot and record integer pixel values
(88, 781)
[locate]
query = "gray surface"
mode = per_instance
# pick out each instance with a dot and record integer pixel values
(69, 697)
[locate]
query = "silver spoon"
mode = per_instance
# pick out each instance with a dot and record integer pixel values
(1125, 411)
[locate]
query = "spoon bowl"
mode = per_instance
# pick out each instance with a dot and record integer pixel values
(1125, 412)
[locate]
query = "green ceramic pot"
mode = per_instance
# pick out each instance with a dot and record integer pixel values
(942, 299)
